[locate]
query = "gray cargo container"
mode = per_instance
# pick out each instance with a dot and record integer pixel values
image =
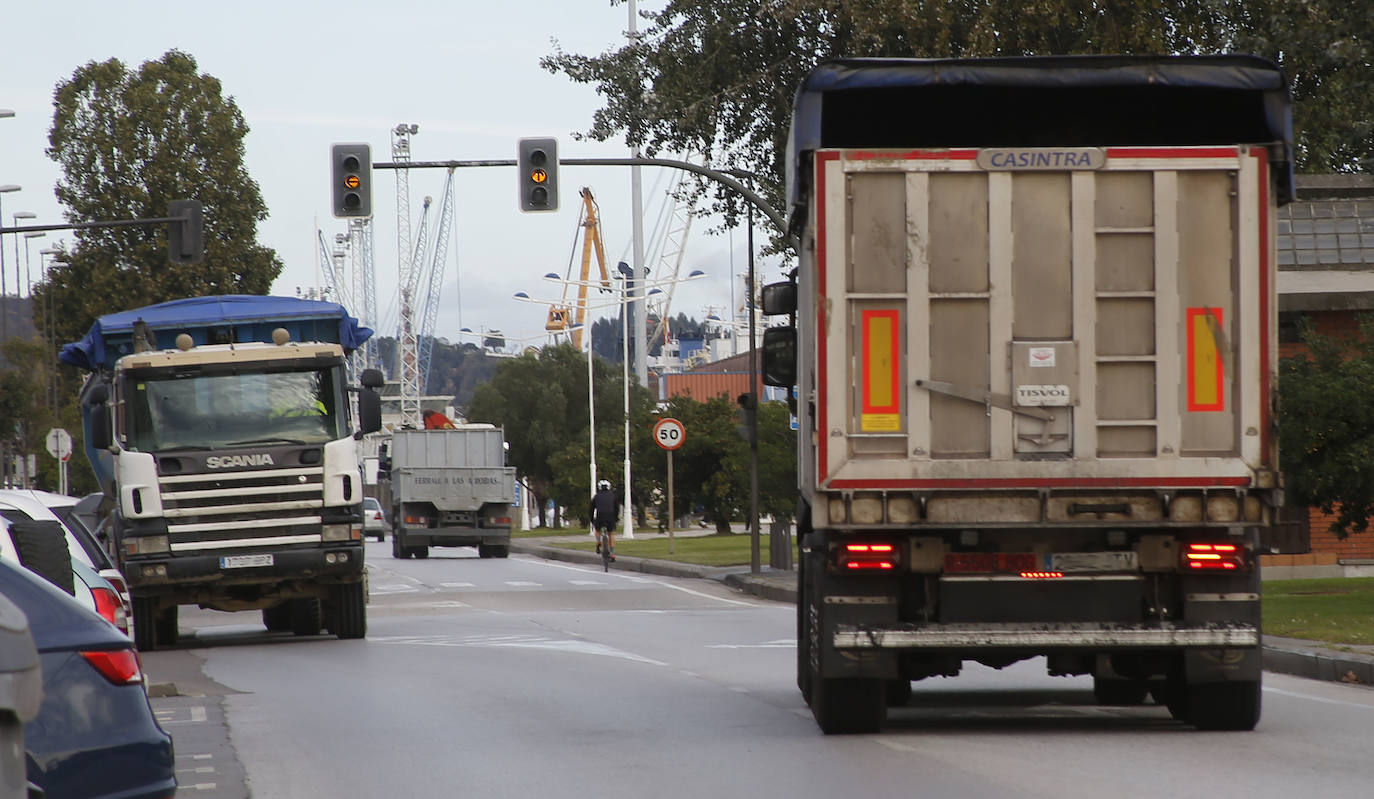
(450, 488)
(1035, 332)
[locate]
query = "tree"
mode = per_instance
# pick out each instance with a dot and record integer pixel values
(128, 143)
(718, 76)
(1326, 428)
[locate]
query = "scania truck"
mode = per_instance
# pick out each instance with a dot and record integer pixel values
(1032, 333)
(222, 430)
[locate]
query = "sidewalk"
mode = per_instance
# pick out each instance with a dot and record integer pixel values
(1311, 659)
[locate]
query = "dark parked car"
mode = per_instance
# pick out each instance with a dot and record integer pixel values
(95, 734)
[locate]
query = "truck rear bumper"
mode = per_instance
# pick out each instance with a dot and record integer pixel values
(1045, 636)
(455, 536)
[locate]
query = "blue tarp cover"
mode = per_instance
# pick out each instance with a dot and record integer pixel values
(250, 317)
(909, 100)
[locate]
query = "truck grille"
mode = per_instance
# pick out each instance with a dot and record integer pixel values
(248, 508)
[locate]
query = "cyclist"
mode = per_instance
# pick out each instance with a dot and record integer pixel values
(605, 512)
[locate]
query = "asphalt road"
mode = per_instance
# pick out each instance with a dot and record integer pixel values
(529, 677)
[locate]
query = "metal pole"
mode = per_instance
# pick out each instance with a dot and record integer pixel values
(637, 220)
(625, 371)
(671, 540)
(754, 565)
(591, 422)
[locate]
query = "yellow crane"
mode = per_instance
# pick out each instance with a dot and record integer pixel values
(571, 314)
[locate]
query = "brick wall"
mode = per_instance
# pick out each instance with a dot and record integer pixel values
(1355, 545)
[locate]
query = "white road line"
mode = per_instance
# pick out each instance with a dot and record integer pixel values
(458, 585)
(198, 770)
(634, 579)
(523, 584)
(778, 644)
(587, 582)
(1323, 700)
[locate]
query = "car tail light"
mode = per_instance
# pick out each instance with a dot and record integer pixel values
(1213, 557)
(111, 608)
(867, 556)
(119, 666)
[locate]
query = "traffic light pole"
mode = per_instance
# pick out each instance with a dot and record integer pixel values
(718, 176)
(190, 218)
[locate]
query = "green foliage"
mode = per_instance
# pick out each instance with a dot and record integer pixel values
(26, 416)
(128, 143)
(1326, 426)
(1334, 610)
(717, 77)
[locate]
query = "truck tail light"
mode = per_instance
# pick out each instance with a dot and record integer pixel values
(867, 556)
(119, 666)
(1213, 557)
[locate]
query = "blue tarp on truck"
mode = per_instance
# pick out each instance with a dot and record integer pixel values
(221, 319)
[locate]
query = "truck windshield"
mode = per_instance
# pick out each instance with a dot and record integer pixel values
(214, 411)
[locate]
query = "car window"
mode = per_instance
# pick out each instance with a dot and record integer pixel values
(371, 504)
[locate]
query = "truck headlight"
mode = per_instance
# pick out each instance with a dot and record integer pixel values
(146, 545)
(336, 532)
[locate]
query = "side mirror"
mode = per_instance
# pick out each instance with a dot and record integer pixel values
(779, 298)
(369, 409)
(372, 378)
(97, 414)
(780, 356)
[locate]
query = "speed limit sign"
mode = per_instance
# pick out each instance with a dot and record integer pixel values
(669, 433)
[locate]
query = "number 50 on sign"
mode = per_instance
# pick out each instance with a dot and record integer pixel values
(669, 433)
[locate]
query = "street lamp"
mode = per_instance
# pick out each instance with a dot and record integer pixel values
(16, 216)
(48, 322)
(28, 282)
(4, 306)
(627, 286)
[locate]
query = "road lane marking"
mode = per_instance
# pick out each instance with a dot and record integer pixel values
(458, 585)
(572, 646)
(523, 584)
(776, 644)
(1323, 700)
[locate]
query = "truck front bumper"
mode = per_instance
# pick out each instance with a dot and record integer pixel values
(341, 563)
(454, 536)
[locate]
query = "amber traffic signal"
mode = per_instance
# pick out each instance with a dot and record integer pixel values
(351, 173)
(537, 165)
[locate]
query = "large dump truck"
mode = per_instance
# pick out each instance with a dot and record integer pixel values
(1034, 328)
(450, 487)
(222, 429)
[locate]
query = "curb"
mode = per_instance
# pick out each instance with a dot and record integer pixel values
(1314, 660)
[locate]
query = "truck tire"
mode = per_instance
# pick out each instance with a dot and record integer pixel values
(493, 550)
(168, 633)
(349, 611)
(1231, 706)
(305, 616)
(145, 624)
(1112, 691)
(419, 552)
(803, 634)
(42, 549)
(397, 550)
(848, 706)
(277, 619)
(897, 693)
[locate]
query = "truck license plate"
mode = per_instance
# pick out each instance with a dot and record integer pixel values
(244, 561)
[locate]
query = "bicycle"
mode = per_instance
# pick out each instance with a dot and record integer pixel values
(603, 543)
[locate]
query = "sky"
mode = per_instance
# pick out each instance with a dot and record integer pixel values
(306, 75)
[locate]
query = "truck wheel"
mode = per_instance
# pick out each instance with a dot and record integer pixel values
(277, 619)
(397, 551)
(848, 706)
(897, 692)
(1110, 691)
(145, 624)
(42, 549)
(349, 610)
(1224, 705)
(419, 552)
(305, 616)
(493, 550)
(803, 634)
(167, 630)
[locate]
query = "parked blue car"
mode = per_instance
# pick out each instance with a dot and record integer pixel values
(95, 734)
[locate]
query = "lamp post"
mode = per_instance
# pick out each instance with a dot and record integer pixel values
(4, 306)
(28, 282)
(50, 328)
(16, 216)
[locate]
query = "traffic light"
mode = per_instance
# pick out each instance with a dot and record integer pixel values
(537, 164)
(186, 235)
(352, 179)
(747, 416)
